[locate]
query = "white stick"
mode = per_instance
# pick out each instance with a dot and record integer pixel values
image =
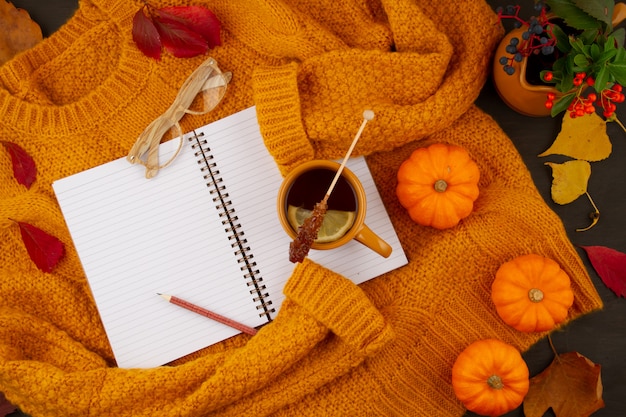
(367, 116)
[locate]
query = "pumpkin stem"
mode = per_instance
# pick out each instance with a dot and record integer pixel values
(495, 382)
(535, 295)
(440, 186)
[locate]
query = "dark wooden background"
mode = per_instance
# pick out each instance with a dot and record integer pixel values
(600, 336)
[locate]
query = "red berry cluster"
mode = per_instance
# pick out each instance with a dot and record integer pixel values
(582, 105)
(609, 97)
(550, 100)
(579, 78)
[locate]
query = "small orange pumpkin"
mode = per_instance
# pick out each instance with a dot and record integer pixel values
(490, 377)
(532, 293)
(438, 185)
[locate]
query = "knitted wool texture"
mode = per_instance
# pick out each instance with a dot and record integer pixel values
(82, 96)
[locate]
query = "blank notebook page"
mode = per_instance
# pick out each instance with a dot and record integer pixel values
(137, 237)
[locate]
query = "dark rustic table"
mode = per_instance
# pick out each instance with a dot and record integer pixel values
(600, 336)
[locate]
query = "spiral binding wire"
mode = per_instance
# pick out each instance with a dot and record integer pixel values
(231, 224)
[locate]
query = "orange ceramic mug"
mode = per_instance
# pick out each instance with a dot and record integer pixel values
(307, 184)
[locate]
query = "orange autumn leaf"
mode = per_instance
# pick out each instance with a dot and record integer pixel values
(18, 32)
(571, 386)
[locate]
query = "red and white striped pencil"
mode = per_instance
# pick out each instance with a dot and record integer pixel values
(206, 313)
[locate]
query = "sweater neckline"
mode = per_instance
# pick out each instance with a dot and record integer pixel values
(95, 106)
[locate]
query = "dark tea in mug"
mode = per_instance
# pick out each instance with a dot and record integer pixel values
(308, 189)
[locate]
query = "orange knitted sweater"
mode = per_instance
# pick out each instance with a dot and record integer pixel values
(386, 348)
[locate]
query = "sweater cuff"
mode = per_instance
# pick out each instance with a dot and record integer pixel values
(278, 111)
(340, 305)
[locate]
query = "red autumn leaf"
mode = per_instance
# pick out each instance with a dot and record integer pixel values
(44, 250)
(6, 407)
(610, 266)
(178, 39)
(200, 20)
(185, 31)
(24, 169)
(146, 36)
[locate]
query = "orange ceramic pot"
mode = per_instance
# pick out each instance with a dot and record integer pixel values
(515, 91)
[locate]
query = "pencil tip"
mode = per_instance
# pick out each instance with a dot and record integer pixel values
(159, 293)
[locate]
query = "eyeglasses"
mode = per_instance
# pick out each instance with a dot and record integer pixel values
(207, 80)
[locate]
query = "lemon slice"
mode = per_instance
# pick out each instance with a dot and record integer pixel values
(336, 222)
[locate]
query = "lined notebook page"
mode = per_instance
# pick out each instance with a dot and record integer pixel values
(137, 237)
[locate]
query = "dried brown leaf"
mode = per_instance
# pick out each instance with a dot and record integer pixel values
(571, 386)
(18, 32)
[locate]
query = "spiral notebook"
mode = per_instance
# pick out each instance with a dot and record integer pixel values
(205, 229)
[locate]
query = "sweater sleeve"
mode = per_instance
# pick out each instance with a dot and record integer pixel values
(311, 107)
(340, 306)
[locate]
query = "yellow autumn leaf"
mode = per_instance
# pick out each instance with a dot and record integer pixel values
(582, 138)
(569, 180)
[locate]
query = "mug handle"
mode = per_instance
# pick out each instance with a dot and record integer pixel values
(370, 239)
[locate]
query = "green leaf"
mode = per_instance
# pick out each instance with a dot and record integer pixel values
(577, 45)
(606, 56)
(602, 78)
(589, 36)
(573, 15)
(619, 36)
(567, 83)
(595, 52)
(563, 74)
(559, 65)
(610, 43)
(581, 60)
(569, 63)
(562, 40)
(601, 10)
(562, 104)
(618, 70)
